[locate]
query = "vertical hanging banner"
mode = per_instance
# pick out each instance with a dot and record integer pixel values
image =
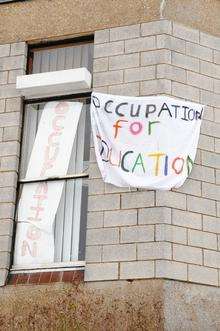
(38, 204)
(146, 142)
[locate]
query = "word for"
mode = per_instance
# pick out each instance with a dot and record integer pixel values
(51, 153)
(135, 128)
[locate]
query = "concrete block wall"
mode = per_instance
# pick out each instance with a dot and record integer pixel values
(146, 234)
(12, 63)
(136, 233)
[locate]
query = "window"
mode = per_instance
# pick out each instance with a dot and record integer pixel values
(69, 226)
(74, 55)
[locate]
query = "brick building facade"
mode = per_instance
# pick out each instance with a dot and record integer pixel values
(163, 244)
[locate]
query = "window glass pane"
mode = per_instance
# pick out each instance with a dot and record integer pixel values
(80, 152)
(70, 222)
(62, 58)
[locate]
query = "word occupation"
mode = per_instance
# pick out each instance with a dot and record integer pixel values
(145, 141)
(39, 201)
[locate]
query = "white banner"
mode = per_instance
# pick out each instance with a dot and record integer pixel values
(39, 201)
(146, 142)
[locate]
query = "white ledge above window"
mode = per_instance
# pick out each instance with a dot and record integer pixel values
(54, 83)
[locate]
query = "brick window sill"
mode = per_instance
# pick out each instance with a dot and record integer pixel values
(72, 272)
(46, 277)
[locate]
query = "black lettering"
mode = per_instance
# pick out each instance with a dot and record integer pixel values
(103, 150)
(96, 101)
(106, 104)
(199, 115)
(135, 114)
(122, 161)
(176, 109)
(166, 108)
(185, 113)
(150, 109)
(191, 111)
(119, 106)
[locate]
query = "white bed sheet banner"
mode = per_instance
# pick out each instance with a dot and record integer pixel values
(38, 204)
(146, 142)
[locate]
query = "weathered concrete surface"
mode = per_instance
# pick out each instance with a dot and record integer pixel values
(38, 19)
(191, 307)
(199, 14)
(35, 20)
(139, 305)
(97, 306)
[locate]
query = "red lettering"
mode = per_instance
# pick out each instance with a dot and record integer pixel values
(49, 159)
(33, 233)
(51, 136)
(25, 248)
(36, 217)
(174, 165)
(55, 123)
(62, 107)
(136, 128)
(42, 187)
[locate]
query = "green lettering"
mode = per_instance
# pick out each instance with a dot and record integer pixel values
(138, 162)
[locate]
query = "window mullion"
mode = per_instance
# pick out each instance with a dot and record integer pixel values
(49, 179)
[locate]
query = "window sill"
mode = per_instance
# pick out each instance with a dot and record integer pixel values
(69, 274)
(60, 266)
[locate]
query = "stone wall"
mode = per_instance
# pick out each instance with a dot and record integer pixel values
(139, 233)
(12, 63)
